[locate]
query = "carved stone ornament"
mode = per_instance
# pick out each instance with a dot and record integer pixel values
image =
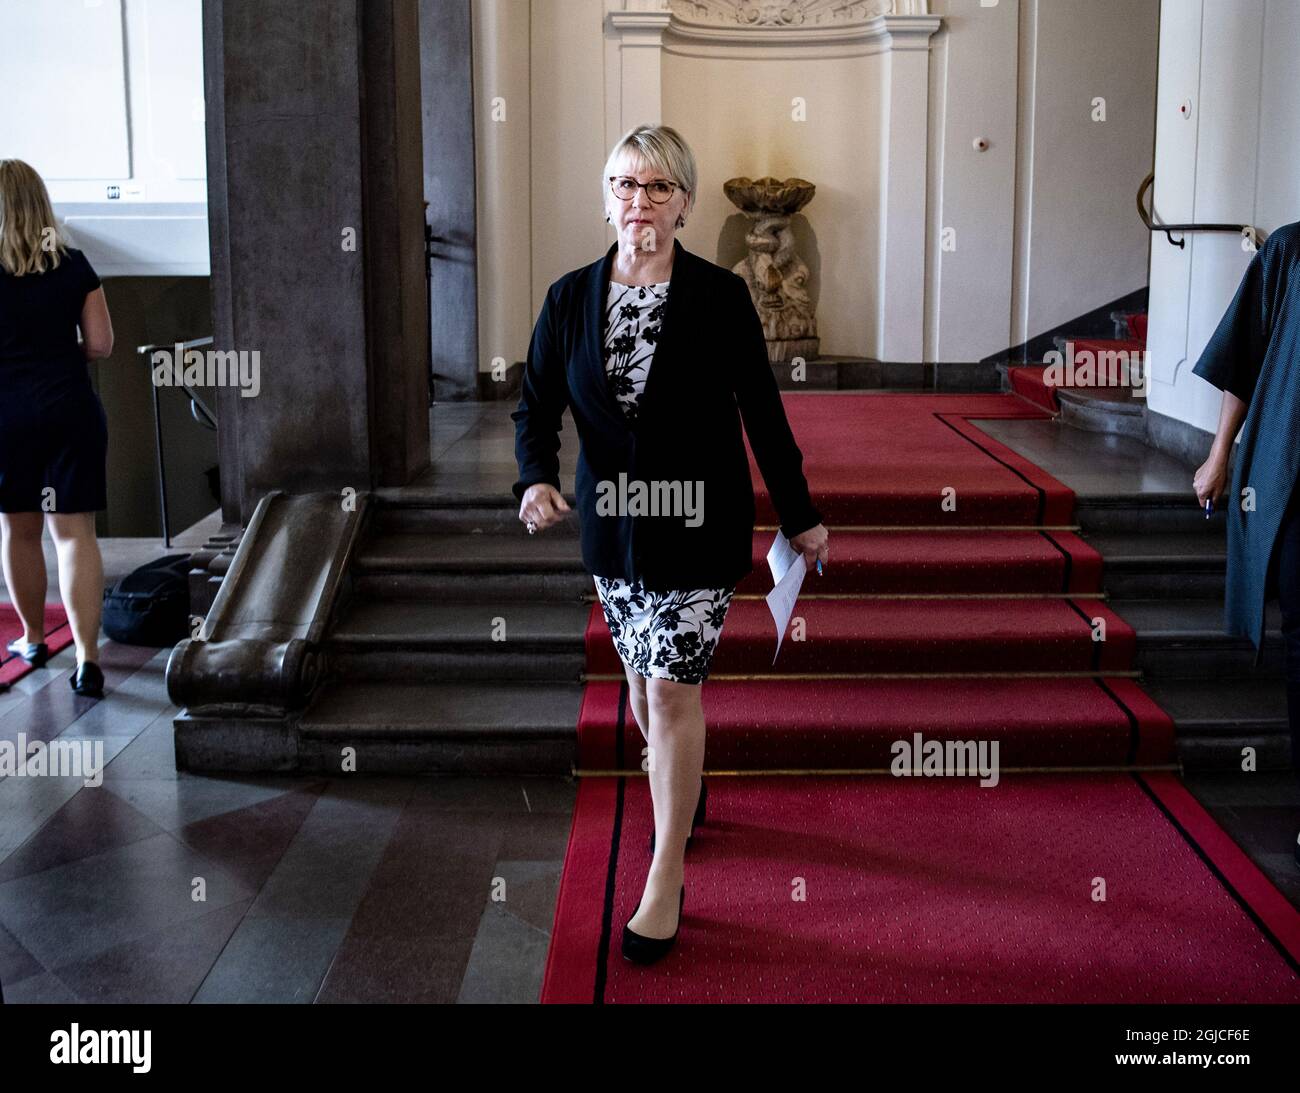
(776, 275)
(790, 13)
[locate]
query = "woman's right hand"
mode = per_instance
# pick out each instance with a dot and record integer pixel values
(1210, 480)
(543, 505)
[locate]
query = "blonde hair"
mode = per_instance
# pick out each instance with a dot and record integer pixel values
(662, 149)
(31, 240)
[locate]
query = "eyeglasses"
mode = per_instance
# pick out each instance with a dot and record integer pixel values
(658, 190)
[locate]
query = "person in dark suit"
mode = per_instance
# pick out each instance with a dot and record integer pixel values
(660, 354)
(53, 430)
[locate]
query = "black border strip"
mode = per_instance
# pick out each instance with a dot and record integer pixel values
(611, 873)
(1096, 645)
(1133, 730)
(1242, 902)
(1042, 495)
(1069, 561)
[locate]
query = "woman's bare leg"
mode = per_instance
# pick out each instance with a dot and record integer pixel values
(81, 577)
(677, 758)
(24, 569)
(637, 697)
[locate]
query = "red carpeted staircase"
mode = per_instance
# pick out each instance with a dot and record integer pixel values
(1031, 381)
(1083, 873)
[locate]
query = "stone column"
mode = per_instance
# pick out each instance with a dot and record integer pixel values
(903, 187)
(316, 224)
(634, 66)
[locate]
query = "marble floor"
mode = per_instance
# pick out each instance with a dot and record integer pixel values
(162, 886)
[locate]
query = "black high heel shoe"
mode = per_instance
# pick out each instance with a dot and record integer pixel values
(696, 821)
(646, 950)
(88, 680)
(36, 654)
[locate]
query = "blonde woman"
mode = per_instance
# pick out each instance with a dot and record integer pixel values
(53, 431)
(660, 354)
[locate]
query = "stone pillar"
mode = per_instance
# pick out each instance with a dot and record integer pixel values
(316, 225)
(903, 187)
(634, 45)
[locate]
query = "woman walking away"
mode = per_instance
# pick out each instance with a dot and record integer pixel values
(53, 431)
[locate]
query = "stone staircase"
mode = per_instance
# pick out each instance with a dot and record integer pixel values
(429, 632)
(461, 647)
(463, 639)
(1164, 573)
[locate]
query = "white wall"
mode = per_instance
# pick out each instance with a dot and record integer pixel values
(1080, 242)
(1230, 159)
(972, 94)
(747, 129)
(503, 181)
(1044, 220)
(105, 97)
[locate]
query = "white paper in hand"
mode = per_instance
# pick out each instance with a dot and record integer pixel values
(788, 569)
(780, 556)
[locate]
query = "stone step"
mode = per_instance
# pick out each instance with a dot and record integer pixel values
(1179, 565)
(555, 588)
(482, 640)
(521, 727)
(478, 553)
(1185, 637)
(1215, 719)
(836, 373)
(1145, 513)
(471, 566)
(475, 519)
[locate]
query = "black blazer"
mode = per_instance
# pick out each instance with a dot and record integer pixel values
(710, 369)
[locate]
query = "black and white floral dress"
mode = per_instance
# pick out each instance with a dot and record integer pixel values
(665, 635)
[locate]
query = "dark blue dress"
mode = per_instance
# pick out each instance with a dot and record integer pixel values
(53, 431)
(1255, 354)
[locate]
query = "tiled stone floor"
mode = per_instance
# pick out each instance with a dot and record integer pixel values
(166, 886)
(312, 889)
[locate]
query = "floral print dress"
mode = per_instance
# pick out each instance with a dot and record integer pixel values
(665, 635)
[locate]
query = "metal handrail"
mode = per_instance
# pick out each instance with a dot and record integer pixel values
(1155, 226)
(199, 411)
(208, 418)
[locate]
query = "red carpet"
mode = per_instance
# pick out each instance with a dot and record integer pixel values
(832, 887)
(58, 635)
(1030, 381)
(892, 890)
(859, 636)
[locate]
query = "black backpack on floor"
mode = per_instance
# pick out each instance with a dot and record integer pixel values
(151, 605)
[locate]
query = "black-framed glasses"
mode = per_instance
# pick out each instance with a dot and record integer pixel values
(657, 190)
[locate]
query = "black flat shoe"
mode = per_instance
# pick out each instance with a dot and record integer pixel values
(36, 654)
(87, 680)
(698, 819)
(646, 950)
